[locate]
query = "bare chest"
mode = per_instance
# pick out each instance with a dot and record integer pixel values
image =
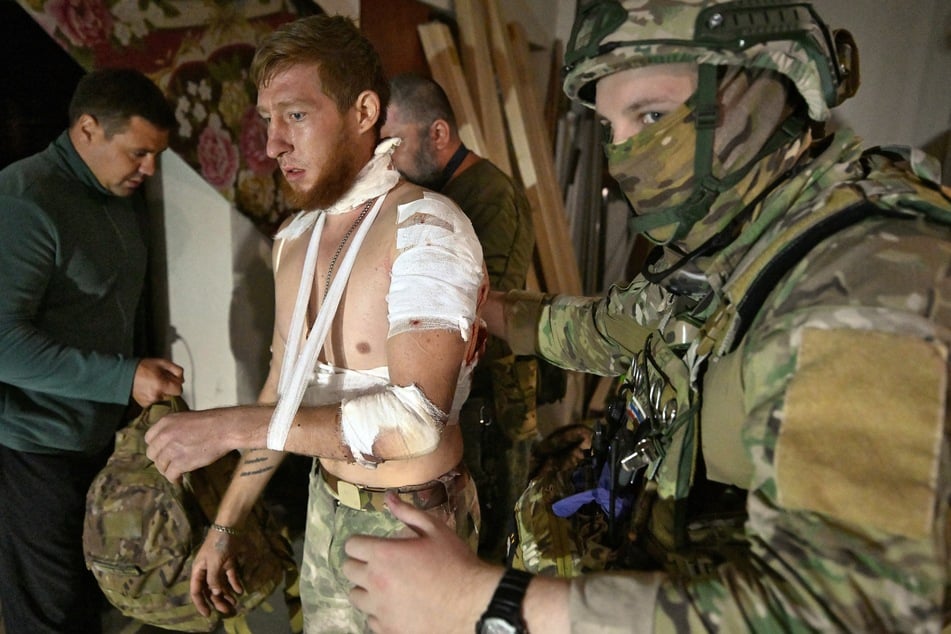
(358, 330)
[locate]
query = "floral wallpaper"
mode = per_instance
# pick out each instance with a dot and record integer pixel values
(198, 52)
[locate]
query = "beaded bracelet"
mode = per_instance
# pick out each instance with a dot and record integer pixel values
(227, 530)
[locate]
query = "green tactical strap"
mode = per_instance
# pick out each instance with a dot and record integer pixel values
(755, 295)
(707, 113)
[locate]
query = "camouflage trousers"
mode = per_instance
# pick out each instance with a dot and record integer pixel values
(323, 588)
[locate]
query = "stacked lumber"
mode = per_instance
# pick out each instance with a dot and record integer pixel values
(488, 79)
(446, 69)
(477, 63)
(492, 77)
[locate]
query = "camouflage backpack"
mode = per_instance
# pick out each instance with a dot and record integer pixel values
(141, 533)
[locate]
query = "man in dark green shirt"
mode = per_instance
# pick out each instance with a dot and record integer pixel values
(498, 420)
(72, 270)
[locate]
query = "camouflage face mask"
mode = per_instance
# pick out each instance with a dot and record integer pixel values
(655, 168)
(751, 147)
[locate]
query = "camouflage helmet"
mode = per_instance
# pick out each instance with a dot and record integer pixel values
(786, 37)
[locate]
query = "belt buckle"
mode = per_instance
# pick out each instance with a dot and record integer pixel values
(349, 494)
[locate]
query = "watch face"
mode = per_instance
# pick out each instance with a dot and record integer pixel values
(495, 625)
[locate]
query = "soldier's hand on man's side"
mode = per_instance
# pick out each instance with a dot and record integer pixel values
(400, 582)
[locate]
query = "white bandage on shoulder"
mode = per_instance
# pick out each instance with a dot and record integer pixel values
(436, 276)
(403, 413)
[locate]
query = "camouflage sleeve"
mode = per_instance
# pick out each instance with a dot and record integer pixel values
(627, 597)
(586, 334)
(845, 389)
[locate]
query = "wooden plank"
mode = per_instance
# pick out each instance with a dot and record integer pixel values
(446, 69)
(476, 55)
(531, 279)
(555, 99)
(552, 199)
(534, 160)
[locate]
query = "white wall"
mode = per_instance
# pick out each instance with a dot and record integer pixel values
(219, 298)
(905, 54)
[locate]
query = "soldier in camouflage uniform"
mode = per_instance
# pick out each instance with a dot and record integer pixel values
(786, 348)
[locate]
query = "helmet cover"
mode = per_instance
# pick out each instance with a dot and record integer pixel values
(785, 37)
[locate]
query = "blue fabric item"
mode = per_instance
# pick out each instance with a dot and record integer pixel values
(601, 494)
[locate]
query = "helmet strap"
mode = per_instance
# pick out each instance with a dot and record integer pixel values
(708, 188)
(706, 116)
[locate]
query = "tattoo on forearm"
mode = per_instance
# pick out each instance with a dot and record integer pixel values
(256, 460)
(257, 471)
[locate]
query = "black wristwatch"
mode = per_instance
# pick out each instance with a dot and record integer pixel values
(504, 614)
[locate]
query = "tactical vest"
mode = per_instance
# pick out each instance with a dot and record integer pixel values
(689, 508)
(697, 510)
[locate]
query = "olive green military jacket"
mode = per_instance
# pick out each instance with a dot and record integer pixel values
(830, 412)
(501, 217)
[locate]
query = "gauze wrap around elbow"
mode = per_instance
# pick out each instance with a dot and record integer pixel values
(412, 424)
(436, 276)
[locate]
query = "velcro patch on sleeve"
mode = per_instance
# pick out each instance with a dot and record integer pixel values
(862, 429)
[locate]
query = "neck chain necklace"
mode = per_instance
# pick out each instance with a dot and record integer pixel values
(343, 241)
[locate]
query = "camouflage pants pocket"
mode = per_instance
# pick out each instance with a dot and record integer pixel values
(324, 589)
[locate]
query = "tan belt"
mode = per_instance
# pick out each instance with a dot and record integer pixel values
(423, 496)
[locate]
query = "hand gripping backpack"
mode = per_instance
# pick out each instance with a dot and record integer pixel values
(141, 534)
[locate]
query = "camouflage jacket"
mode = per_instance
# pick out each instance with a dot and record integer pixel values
(829, 415)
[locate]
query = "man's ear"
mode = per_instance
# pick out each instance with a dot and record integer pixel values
(367, 106)
(87, 128)
(439, 134)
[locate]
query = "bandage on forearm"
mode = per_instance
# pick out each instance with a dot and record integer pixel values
(410, 421)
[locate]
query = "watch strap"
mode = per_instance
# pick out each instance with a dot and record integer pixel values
(507, 600)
